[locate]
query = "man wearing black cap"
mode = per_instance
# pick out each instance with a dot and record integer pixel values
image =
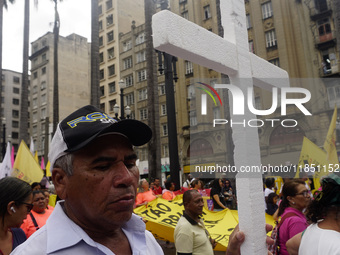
(94, 171)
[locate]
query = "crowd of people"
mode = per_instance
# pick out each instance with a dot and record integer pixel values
(95, 175)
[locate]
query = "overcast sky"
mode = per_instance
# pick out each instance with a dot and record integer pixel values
(75, 17)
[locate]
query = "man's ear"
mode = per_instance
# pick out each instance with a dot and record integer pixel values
(60, 180)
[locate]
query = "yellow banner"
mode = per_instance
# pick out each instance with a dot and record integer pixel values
(162, 217)
(25, 167)
(313, 156)
(48, 171)
(329, 145)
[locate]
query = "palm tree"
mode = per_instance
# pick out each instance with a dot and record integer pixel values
(23, 134)
(55, 62)
(94, 54)
(3, 4)
(154, 150)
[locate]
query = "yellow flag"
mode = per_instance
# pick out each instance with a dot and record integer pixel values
(36, 157)
(25, 167)
(48, 172)
(329, 145)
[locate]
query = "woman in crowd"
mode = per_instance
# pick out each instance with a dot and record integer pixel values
(15, 204)
(323, 236)
(272, 203)
(38, 216)
(228, 193)
(295, 199)
(145, 194)
(168, 193)
(217, 196)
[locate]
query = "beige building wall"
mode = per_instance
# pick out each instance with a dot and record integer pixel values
(74, 82)
(115, 17)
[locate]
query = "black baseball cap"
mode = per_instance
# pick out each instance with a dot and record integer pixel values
(85, 124)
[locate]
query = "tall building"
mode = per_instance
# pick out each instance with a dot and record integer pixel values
(74, 83)
(11, 99)
(115, 17)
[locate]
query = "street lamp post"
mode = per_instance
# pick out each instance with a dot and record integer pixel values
(116, 111)
(121, 86)
(3, 138)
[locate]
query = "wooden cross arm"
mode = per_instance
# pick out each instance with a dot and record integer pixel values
(182, 38)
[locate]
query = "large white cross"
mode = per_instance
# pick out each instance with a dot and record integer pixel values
(229, 55)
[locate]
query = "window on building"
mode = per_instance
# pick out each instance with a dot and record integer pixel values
(43, 98)
(16, 79)
(35, 75)
(141, 75)
(191, 91)
(109, 20)
(275, 61)
(140, 38)
(35, 47)
(161, 89)
(111, 53)
(251, 46)
(43, 85)
(101, 41)
(112, 87)
(267, 10)
(112, 103)
(34, 102)
(324, 29)
(321, 5)
(35, 89)
(207, 14)
(127, 62)
(43, 57)
(15, 124)
(129, 99)
(16, 90)
(129, 80)
(43, 70)
(271, 38)
(100, 9)
(43, 42)
(192, 118)
(142, 94)
(141, 56)
(111, 70)
(102, 107)
(165, 129)
(143, 114)
(127, 45)
(15, 113)
(108, 4)
(165, 150)
(248, 21)
(188, 67)
(101, 74)
(102, 91)
(101, 57)
(110, 36)
(163, 109)
(100, 25)
(185, 15)
(15, 101)
(43, 114)
(35, 116)
(15, 135)
(3, 77)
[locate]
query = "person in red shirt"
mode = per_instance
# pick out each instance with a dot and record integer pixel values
(157, 189)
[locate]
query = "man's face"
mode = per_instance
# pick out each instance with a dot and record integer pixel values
(195, 206)
(157, 182)
(101, 192)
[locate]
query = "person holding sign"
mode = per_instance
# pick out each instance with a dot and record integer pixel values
(191, 236)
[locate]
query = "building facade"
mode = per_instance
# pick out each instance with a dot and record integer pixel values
(11, 99)
(74, 83)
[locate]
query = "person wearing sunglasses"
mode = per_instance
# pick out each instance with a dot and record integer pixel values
(15, 204)
(38, 216)
(295, 199)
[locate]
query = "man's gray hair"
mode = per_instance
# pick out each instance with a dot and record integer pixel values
(65, 162)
